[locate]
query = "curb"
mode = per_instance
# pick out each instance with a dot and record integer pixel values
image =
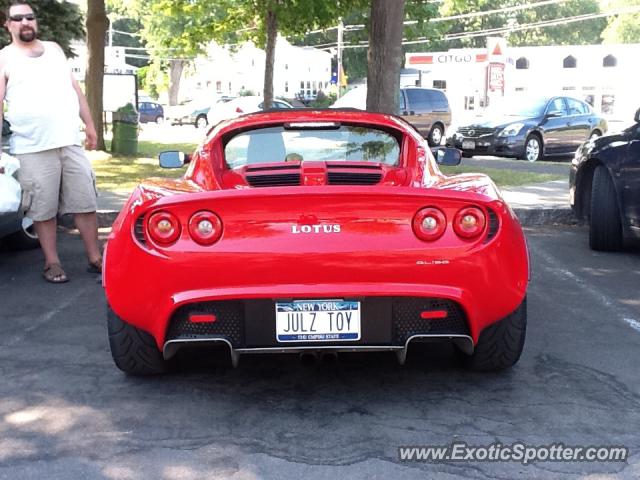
(529, 217)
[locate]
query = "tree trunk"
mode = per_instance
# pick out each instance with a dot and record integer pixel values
(97, 24)
(270, 50)
(385, 55)
(175, 73)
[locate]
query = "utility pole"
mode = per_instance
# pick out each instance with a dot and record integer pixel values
(339, 75)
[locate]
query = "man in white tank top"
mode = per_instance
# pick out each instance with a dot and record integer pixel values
(44, 106)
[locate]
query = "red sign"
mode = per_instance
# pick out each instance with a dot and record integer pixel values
(419, 59)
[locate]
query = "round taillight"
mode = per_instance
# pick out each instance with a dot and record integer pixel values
(469, 222)
(163, 228)
(429, 223)
(205, 227)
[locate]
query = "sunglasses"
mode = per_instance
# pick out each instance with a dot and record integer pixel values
(22, 16)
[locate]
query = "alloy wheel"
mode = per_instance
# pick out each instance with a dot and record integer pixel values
(532, 149)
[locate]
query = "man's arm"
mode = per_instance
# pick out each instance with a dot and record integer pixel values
(85, 114)
(3, 90)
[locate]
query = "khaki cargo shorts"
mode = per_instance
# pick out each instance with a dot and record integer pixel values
(57, 181)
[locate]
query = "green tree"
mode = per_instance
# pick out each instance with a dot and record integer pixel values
(175, 31)
(357, 27)
(288, 17)
(58, 21)
(132, 27)
(584, 32)
(624, 28)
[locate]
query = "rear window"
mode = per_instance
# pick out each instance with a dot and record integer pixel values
(306, 142)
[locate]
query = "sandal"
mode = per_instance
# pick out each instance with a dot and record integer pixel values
(55, 274)
(95, 267)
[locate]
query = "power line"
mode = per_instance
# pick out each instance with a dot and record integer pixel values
(542, 3)
(542, 24)
(508, 29)
(497, 10)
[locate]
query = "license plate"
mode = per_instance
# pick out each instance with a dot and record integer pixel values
(468, 144)
(317, 321)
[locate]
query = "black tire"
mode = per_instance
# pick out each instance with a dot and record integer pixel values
(605, 227)
(436, 135)
(530, 143)
(24, 239)
(159, 119)
(500, 345)
(134, 351)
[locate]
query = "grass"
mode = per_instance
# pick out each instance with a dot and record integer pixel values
(505, 177)
(120, 173)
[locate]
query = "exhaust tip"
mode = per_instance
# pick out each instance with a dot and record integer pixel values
(308, 359)
(329, 359)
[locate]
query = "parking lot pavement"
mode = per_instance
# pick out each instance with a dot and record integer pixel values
(67, 412)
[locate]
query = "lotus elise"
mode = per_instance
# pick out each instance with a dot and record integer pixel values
(315, 231)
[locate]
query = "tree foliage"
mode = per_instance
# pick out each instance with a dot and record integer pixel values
(266, 18)
(132, 26)
(58, 21)
(623, 28)
(356, 35)
(584, 32)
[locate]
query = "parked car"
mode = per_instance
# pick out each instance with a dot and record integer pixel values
(604, 187)
(426, 108)
(531, 129)
(150, 112)
(192, 113)
(16, 230)
(315, 231)
(239, 106)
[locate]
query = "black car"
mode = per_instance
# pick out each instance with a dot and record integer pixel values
(604, 187)
(531, 130)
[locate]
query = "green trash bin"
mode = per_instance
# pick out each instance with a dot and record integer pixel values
(125, 131)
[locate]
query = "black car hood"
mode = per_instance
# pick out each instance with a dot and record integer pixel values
(500, 122)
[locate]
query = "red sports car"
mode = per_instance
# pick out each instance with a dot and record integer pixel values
(315, 231)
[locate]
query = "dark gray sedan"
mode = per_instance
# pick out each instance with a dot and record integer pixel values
(531, 130)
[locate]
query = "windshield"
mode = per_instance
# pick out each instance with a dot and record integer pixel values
(312, 143)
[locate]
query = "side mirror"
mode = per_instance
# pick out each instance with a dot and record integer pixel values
(173, 159)
(447, 156)
(554, 114)
(637, 116)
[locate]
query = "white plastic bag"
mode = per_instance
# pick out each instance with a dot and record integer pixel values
(10, 191)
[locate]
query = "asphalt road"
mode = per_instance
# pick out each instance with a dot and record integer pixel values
(67, 412)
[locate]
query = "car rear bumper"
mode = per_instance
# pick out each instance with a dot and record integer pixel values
(249, 326)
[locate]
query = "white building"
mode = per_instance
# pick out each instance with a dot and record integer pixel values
(603, 75)
(114, 61)
(297, 71)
